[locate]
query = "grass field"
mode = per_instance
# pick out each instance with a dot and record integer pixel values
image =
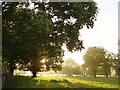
(61, 82)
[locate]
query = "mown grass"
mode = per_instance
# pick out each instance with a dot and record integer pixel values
(61, 82)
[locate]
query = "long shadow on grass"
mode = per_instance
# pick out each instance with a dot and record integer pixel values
(75, 85)
(87, 83)
(67, 84)
(110, 80)
(49, 84)
(63, 83)
(82, 82)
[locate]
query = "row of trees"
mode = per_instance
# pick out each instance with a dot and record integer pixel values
(31, 35)
(97, 61)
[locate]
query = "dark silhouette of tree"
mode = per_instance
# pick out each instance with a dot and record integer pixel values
(31, 42)
(29, 34)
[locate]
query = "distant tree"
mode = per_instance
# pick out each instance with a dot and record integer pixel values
(84, 69)
(115, 63)
(93, 57)
(101, 71)
(71, 67)
(107, 62)
(118, 57)
(100, 61)
(28, 35)
(111, 61)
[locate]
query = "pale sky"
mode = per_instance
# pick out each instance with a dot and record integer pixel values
(104, 33)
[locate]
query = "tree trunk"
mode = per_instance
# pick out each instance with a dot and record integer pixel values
(106, 74)
(11, 69)
(106, 71)
(34, 73)
(94, 74)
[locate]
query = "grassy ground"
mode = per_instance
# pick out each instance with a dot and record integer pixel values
(61, 82)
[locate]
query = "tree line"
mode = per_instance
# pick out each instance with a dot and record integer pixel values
(97, 61)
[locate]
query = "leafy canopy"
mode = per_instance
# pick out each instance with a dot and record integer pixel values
(29, 34)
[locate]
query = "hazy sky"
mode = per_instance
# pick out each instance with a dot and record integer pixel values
(104, 33)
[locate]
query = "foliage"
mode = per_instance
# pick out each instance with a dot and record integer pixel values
(30, 37)
(100, 60)
(85, 69)
(101, 71)
(93, 57)
(69, 18)
(29, 34)
(22, 37)
(115, 63)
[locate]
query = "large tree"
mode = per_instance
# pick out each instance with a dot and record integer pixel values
(100, 61)
(25, 36)
(29, 34)
(93, 57)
